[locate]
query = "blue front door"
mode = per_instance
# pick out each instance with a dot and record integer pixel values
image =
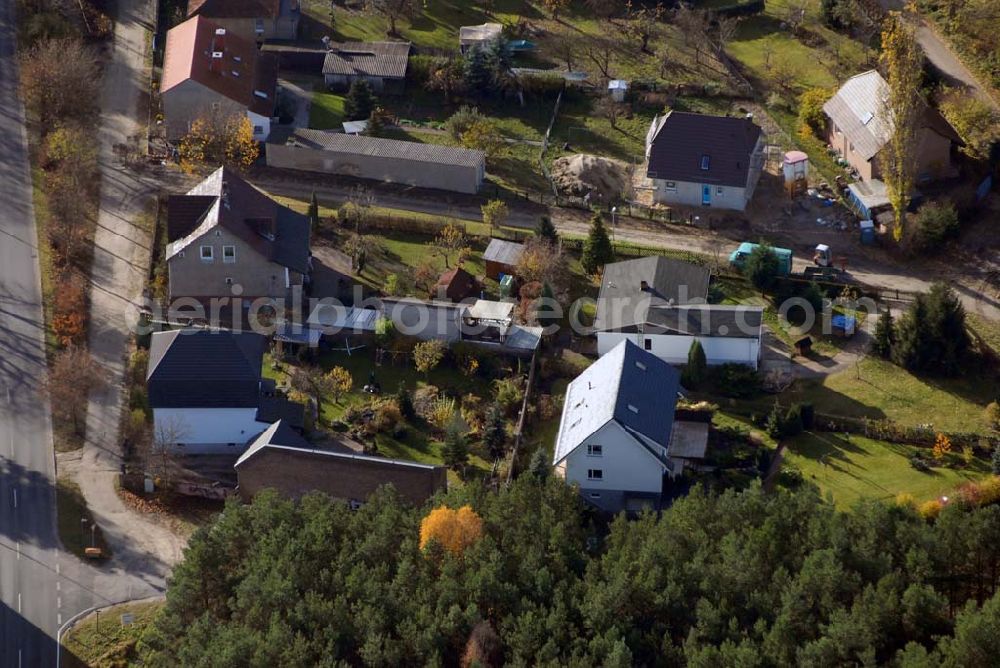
(706, 195)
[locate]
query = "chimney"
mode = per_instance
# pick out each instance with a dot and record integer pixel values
(326, 42)
(644, 286)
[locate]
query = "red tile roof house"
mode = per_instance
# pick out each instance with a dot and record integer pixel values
(251, 19)
(209, 71)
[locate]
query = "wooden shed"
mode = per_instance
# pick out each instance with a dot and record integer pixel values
(502, 257)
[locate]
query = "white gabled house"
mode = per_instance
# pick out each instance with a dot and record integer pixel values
(207, 393)
(661, 305)
(615, 438)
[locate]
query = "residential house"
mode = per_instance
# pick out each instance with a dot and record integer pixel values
(207, 393)
(502, 257)
(702, 160)
(378, 158)
(456, 285)
(615, 437)
(381, 64)
(213, 74)
(281, 459)
(661, 305)
(481, 36)
(860, 126)
(251, 19)
(226, 238)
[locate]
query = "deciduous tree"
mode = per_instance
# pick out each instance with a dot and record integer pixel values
(339, 381)
(451, 239)
(902, 60)
(427, 355)
(495, 213)
(392, 11)
(73, 375)
(454, 530)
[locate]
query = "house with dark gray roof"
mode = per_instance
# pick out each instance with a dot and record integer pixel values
(661, 305)
(207, 393)
(282, 460)
(859, 127)
(377, 158)
(615, 436)
(701, 160)
(381, 64)
(226, 237)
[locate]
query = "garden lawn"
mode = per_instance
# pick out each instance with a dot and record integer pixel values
(856, 468)
(880, 389)
(327, 111)
(75, 533)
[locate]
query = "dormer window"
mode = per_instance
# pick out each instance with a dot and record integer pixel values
(705, 161)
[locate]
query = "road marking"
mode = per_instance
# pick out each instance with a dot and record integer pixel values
(57, 569)
(58, 601)
(59, 618)
(19, 602)
(18, 550)
(58, 585)
(12, 446)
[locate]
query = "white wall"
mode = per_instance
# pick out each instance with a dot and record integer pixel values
(263, 122)
(685, 193)
(673, 348)
(626, 465)
(209, 430)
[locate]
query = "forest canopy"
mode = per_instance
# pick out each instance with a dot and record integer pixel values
(742, 578)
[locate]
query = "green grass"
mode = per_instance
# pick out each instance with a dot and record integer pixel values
(855, 468)
(879, 389)
(327, 111)
(100, 640)
(74, 533)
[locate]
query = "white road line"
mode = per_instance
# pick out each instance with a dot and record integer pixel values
(59, 618)
(58, 601)
(18, 550)
(58, 586)
(19, 602)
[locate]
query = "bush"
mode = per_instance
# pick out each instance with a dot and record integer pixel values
(930, 510)
(762, 267)
(811, 113)
(920, 464)
(508, 394)
(934, 224)
(460, 122)
(735, 380)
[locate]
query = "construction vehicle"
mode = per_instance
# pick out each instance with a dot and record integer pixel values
(823, 256)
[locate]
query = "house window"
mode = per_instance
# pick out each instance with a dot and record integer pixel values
(718, 191)
(229, 281)
(229, 254)
(206, 254)
(704, 163)
(595, 450)
(670, 185)
(595, 474)
(595, 495)
(647, 344)
(258, 129)
(259, 26)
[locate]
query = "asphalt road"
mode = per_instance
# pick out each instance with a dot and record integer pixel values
(29, 552)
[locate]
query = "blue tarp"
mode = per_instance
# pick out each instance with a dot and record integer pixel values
(521, 45)
(844, 323)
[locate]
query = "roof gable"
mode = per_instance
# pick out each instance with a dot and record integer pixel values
(699, 148)
(631, 288)
(225, 199)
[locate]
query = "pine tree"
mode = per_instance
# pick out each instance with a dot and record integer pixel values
(597, 249)
(910, 349)
(495, 432)
(455, 451)
(360, 101)
(885, 335)
(405, 402)
(538, 466)
(546, 230)
(697, 366)
(948, 338)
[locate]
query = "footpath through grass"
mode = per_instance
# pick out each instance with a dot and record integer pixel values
(100, 640)
(851, 468)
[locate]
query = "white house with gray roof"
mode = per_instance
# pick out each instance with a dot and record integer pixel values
(207, 393)
(661, 305)
(377, 158)
(615, 436)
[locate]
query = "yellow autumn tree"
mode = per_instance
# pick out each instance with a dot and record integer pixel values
(215, 138)
(942, 446)
(454, 530)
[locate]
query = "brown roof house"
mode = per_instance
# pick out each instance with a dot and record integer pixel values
(280, 459)
(382, 64)
(859, 128)
(251, 19)
(701, 160)
(456, 284)
(209, 72)
(227, 238)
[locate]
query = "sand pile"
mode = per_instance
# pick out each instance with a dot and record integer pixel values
(581, 174)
